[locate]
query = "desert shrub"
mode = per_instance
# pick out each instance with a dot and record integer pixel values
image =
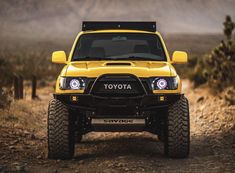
(26, 64)
(38, 64)
(217, 68)
(31, 63)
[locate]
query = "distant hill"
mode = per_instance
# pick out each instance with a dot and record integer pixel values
(46, 19)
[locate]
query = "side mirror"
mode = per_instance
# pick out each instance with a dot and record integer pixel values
(179, 57)
(59, 57)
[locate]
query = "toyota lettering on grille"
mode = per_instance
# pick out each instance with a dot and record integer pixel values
(117, 86)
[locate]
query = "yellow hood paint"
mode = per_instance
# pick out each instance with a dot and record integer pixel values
(138, 68)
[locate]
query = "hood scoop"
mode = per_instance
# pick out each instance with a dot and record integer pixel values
(118, 64)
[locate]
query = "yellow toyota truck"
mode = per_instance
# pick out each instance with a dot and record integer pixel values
(118, 77)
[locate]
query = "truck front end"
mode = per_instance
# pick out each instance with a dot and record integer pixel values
(119, 79)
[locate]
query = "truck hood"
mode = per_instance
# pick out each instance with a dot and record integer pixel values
(138, 68)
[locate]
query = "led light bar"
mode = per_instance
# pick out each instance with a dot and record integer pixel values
(99, 25)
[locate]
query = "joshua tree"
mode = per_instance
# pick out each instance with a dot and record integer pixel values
(217, 68)
(228, 27)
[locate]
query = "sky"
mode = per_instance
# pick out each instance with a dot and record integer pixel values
(46, 19)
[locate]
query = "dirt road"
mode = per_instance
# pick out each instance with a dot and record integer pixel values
(23, 142)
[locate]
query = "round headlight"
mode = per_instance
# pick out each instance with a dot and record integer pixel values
(161, 83)
(74, 84)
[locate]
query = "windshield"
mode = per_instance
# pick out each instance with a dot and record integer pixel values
(119, 46)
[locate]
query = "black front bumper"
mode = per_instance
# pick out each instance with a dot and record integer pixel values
(142, 103)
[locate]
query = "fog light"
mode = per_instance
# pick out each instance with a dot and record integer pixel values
(162, 98)
(74, 98)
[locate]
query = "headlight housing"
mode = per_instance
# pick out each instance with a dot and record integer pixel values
(72, 83)
(164, 83)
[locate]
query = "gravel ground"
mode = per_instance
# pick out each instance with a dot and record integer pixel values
(23, 147)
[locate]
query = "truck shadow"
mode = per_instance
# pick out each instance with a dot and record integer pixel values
(138, 145)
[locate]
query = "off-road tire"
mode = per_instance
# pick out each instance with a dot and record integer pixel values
(177, 137)
(60, 131)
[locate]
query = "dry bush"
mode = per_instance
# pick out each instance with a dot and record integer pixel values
(217, 68)
(32, 63)
(26, 64)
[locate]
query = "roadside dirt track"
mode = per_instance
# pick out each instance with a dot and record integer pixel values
(23, 148)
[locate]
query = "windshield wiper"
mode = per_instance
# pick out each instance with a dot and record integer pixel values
(88, 58)
(135, 58)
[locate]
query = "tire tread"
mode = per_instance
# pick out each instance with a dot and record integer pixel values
(60, 131)
(177, 143)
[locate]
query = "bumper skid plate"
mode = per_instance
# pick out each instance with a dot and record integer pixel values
(111, 121)
(122, 124)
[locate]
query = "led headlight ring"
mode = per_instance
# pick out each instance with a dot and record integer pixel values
(74, 84)
(161, 83)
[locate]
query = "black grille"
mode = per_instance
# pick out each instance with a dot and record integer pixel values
(89, 84)
(147, 85)
(117, 86)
